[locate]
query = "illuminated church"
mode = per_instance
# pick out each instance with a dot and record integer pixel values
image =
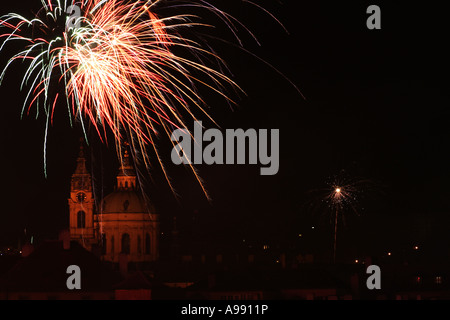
(122, 224)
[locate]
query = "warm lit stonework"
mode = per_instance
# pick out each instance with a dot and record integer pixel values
(124, 224)
(83, 220)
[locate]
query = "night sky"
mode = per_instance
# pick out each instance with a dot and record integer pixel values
(376, 106)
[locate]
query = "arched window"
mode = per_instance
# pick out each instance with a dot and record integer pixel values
(81, 219)
(126, 204)
(126, 243)
(147, 244)
(112, 245)
(139, 246)
(103, 243)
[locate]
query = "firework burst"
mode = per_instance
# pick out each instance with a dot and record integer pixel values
(116, 63)
(343, 195)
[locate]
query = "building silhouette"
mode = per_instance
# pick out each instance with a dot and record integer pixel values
(115, 243)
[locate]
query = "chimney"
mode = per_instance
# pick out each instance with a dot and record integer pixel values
(64, 236)
(283, 260)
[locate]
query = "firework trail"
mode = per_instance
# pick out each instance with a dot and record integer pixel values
(116, 63)
(343, 194)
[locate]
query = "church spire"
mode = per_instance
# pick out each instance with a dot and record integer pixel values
(81, 161)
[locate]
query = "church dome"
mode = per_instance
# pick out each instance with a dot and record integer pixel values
(125, 201)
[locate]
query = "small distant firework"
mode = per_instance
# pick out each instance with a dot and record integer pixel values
(342, 195)
(119, 67)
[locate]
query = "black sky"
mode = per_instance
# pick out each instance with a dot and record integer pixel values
(376, 105)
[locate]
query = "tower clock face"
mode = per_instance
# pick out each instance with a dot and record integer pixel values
(81, 197)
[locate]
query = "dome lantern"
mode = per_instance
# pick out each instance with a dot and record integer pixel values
(126, 179)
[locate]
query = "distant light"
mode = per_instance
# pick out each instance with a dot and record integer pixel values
(356, 260)
(312, 228)
(278, 261)
(300, 235)
(338, 190)
(389, 253)
(416, 248)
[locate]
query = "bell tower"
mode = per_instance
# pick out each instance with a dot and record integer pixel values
(83, 221)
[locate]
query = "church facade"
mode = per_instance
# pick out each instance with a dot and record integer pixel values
(123, 224)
